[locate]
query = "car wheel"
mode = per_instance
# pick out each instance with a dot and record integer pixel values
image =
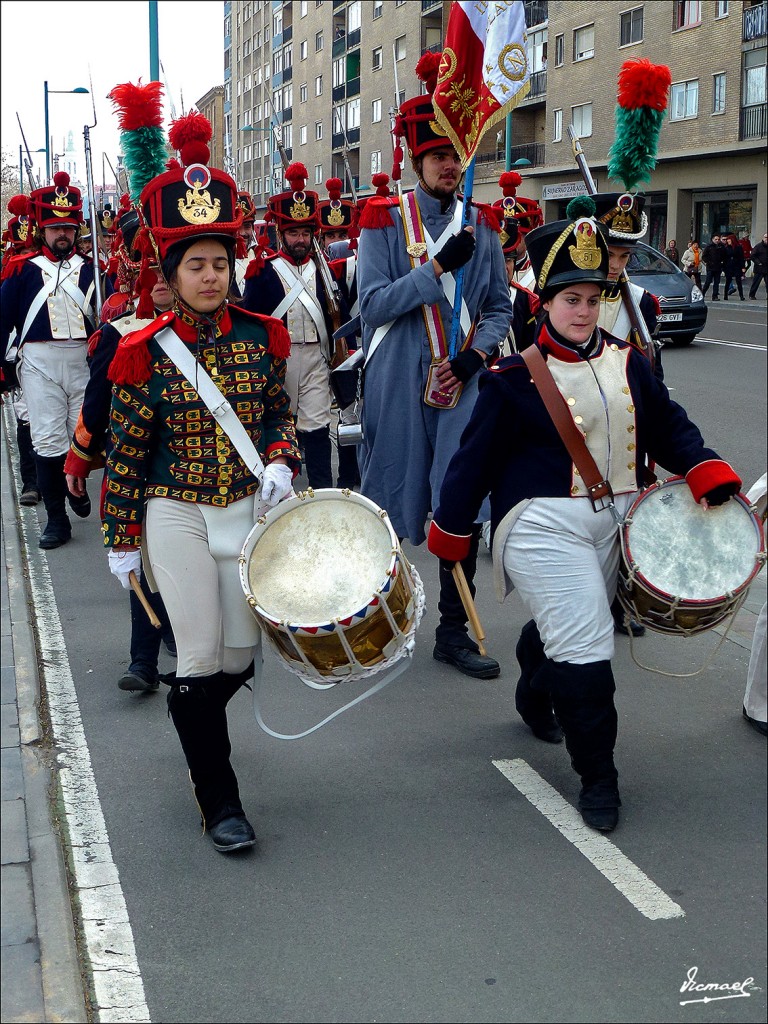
(680, 340)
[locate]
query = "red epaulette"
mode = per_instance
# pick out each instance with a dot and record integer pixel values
(278, 338)
(656, 304)
(132, 363)
(339, 268)
(16, 264)
(256, 263)
(533, 299)
(114, 305)
(376, 212)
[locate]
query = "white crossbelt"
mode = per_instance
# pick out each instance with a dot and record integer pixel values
(49, 287)
(297, 289)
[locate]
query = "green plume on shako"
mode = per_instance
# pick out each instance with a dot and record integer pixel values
(642, 102)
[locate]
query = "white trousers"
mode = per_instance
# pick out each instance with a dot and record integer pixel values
(53, 376)
(308, 388)
(563, 559)
(193, 553)
(757, 678)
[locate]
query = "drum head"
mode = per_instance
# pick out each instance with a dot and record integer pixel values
(686, 551)
(320, 558)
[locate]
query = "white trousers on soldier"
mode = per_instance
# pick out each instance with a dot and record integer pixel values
(307, 385)
(193, 553)
(53, 376)
(563, 559)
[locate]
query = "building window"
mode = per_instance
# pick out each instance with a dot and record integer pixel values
(257, 186)
(378, 9)
(400, 53)
(377, 59)
(684, 101)
(354, 16)
(376, 162)
(631, 27)
(319, 85)
(687, 13)
(584, 42)
(353, 113)
(303, 93)
(559, 50)
(375, 111)
(318, 130)
(287, 97)
(277, 62)
(718, 94)
(318, 41)
(753, 85)
(303, 135)
(581, 119)
(288, 136)
(303, 9)
(557, 131)
(318, 173)
(339, 72)
(246, 47)
(721, 9)
(339, 118)
(537, 50)
(257, 151)
(277, 22)
(303, 50)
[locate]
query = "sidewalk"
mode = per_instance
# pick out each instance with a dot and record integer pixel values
(41, 978)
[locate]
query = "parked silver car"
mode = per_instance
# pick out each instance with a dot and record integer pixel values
(683, 308)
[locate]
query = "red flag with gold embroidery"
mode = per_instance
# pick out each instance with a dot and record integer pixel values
(483, 72)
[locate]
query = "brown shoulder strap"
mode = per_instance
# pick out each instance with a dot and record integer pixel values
(569, 433)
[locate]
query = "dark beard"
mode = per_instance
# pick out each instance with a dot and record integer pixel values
(298, 253)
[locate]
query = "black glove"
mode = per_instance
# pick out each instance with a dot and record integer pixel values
(456, 252)
(466, 364)
(719, 495)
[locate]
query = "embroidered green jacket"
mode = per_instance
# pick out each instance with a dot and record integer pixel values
(165, 441)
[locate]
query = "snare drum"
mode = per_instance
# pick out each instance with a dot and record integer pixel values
(324, 574)
(684, 568)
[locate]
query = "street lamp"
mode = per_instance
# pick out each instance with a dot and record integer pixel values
(46, 91)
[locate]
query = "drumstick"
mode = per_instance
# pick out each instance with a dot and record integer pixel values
(136, 588)
(469, 605)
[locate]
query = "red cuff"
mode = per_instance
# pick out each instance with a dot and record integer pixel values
(451, 547)
(75, 465)
(708, 475)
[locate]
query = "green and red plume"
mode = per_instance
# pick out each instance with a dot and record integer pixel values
(140, 116)
(642, 103)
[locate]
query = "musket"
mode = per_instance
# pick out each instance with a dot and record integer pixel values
(393, 114)
(330, 285)
(28, 162)
(122, 186)
(95, 226)
(639, 333)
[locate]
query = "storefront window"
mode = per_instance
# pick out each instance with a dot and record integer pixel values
(723, 217)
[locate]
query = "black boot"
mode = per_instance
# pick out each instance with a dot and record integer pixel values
(453, 644)
(533, 706)
(582, 696)
(317, 456)
(197, 707)
(142, 675)
(53, 487)
(30, 492)
(349, 471)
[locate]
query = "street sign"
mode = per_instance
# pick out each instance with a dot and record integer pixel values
(568, 190)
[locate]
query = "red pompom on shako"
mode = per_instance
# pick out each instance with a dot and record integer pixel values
(520, 215)
(19, 229)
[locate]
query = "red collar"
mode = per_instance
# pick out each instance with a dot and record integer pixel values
(551, 346)
(290, 259)
(188, 328)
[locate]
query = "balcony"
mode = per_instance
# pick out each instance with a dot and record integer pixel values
(538, 90)
(427, 5)
(533, 152)
(753, 121)
(754, 22)
(338, 93)
(536, 12)
(353, 38)
(353, 87)
(339, 142)
(339, 45)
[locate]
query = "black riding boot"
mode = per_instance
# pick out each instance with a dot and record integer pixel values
(197, 707)
(30, 492)
(582, 696)
(349, 471)
(453, 644)
(53, 487)
(317, 456)
(534, 706)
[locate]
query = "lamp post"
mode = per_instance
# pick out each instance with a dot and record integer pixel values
(46, 92)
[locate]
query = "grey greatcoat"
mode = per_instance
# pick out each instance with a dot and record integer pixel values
(409, 444)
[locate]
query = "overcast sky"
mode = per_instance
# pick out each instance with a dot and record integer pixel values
(64, 42)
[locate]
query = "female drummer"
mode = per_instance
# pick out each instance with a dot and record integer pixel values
(174, 478)
(549, 543)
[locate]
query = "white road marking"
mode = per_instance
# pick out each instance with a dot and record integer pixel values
(732, 344)
(118, 989)
(631, 882)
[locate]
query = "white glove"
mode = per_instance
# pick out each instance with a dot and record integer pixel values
(276, 484)
(123, 563)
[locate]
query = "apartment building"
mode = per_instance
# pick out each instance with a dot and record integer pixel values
(329, 71)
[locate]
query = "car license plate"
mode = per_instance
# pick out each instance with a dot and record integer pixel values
(670, 318)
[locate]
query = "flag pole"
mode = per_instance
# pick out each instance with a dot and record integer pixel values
(469, 184)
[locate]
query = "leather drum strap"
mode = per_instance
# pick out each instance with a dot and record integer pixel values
(569, 433)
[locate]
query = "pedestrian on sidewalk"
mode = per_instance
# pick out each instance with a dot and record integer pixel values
(760, 263)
